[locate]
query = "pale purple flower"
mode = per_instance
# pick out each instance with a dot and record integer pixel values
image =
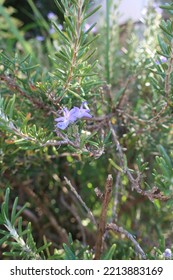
(70, 116)
(51, 16)
(157, 8)
(162, 59)
(167, 254)
(39, 38)
(83, 112)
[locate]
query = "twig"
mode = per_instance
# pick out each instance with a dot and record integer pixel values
(90, 214)
(66, 154)
(103, 118)
(117, 229)
(31, 216)
(102, 222)
(99, 193)
(13, 86)
(121, 100)
(144, 122)
(59, 143)
(152, 194)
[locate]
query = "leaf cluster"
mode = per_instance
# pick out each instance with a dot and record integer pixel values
(13, 235)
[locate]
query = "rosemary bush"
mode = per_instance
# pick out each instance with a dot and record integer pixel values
(86, 137)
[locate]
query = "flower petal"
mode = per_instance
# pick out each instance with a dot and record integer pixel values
(70, 116)
(62, 125)
(60, 119)
(86, 115)
(73, 114)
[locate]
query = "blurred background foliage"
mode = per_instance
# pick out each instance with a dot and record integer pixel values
(128, 86)
(24, 12)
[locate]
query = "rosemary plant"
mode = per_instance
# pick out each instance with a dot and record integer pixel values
(86, 137)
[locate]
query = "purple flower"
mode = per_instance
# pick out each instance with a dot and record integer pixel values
(73, 115)
(157, 8)
(81, 112)
(167, 254)
(161, 60)
(39, 38)
(69, 117)
(51, 16)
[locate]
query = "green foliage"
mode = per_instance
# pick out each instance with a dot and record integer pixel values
(19, 240)
(164, 176)
(128, 87)
(9, 26)
(74, 68)
(76, 79)
(7, 19)
(109, 255)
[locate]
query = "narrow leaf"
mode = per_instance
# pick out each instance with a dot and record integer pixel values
(5, 238)
(109, 254)
(6, 202)
(59, 6)
(115, 165)
(70, 25)
(92, 12)
(13, 213)
(69, 255)
(61, 33)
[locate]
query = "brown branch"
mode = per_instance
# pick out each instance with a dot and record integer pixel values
(144, 122)
(60, 231)
(102, 222)
(31, 216)
(13, 86)
(59, 143)
(66, 154)
(123, 96)
(152, 194)
(120, 230)
(103, 118)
